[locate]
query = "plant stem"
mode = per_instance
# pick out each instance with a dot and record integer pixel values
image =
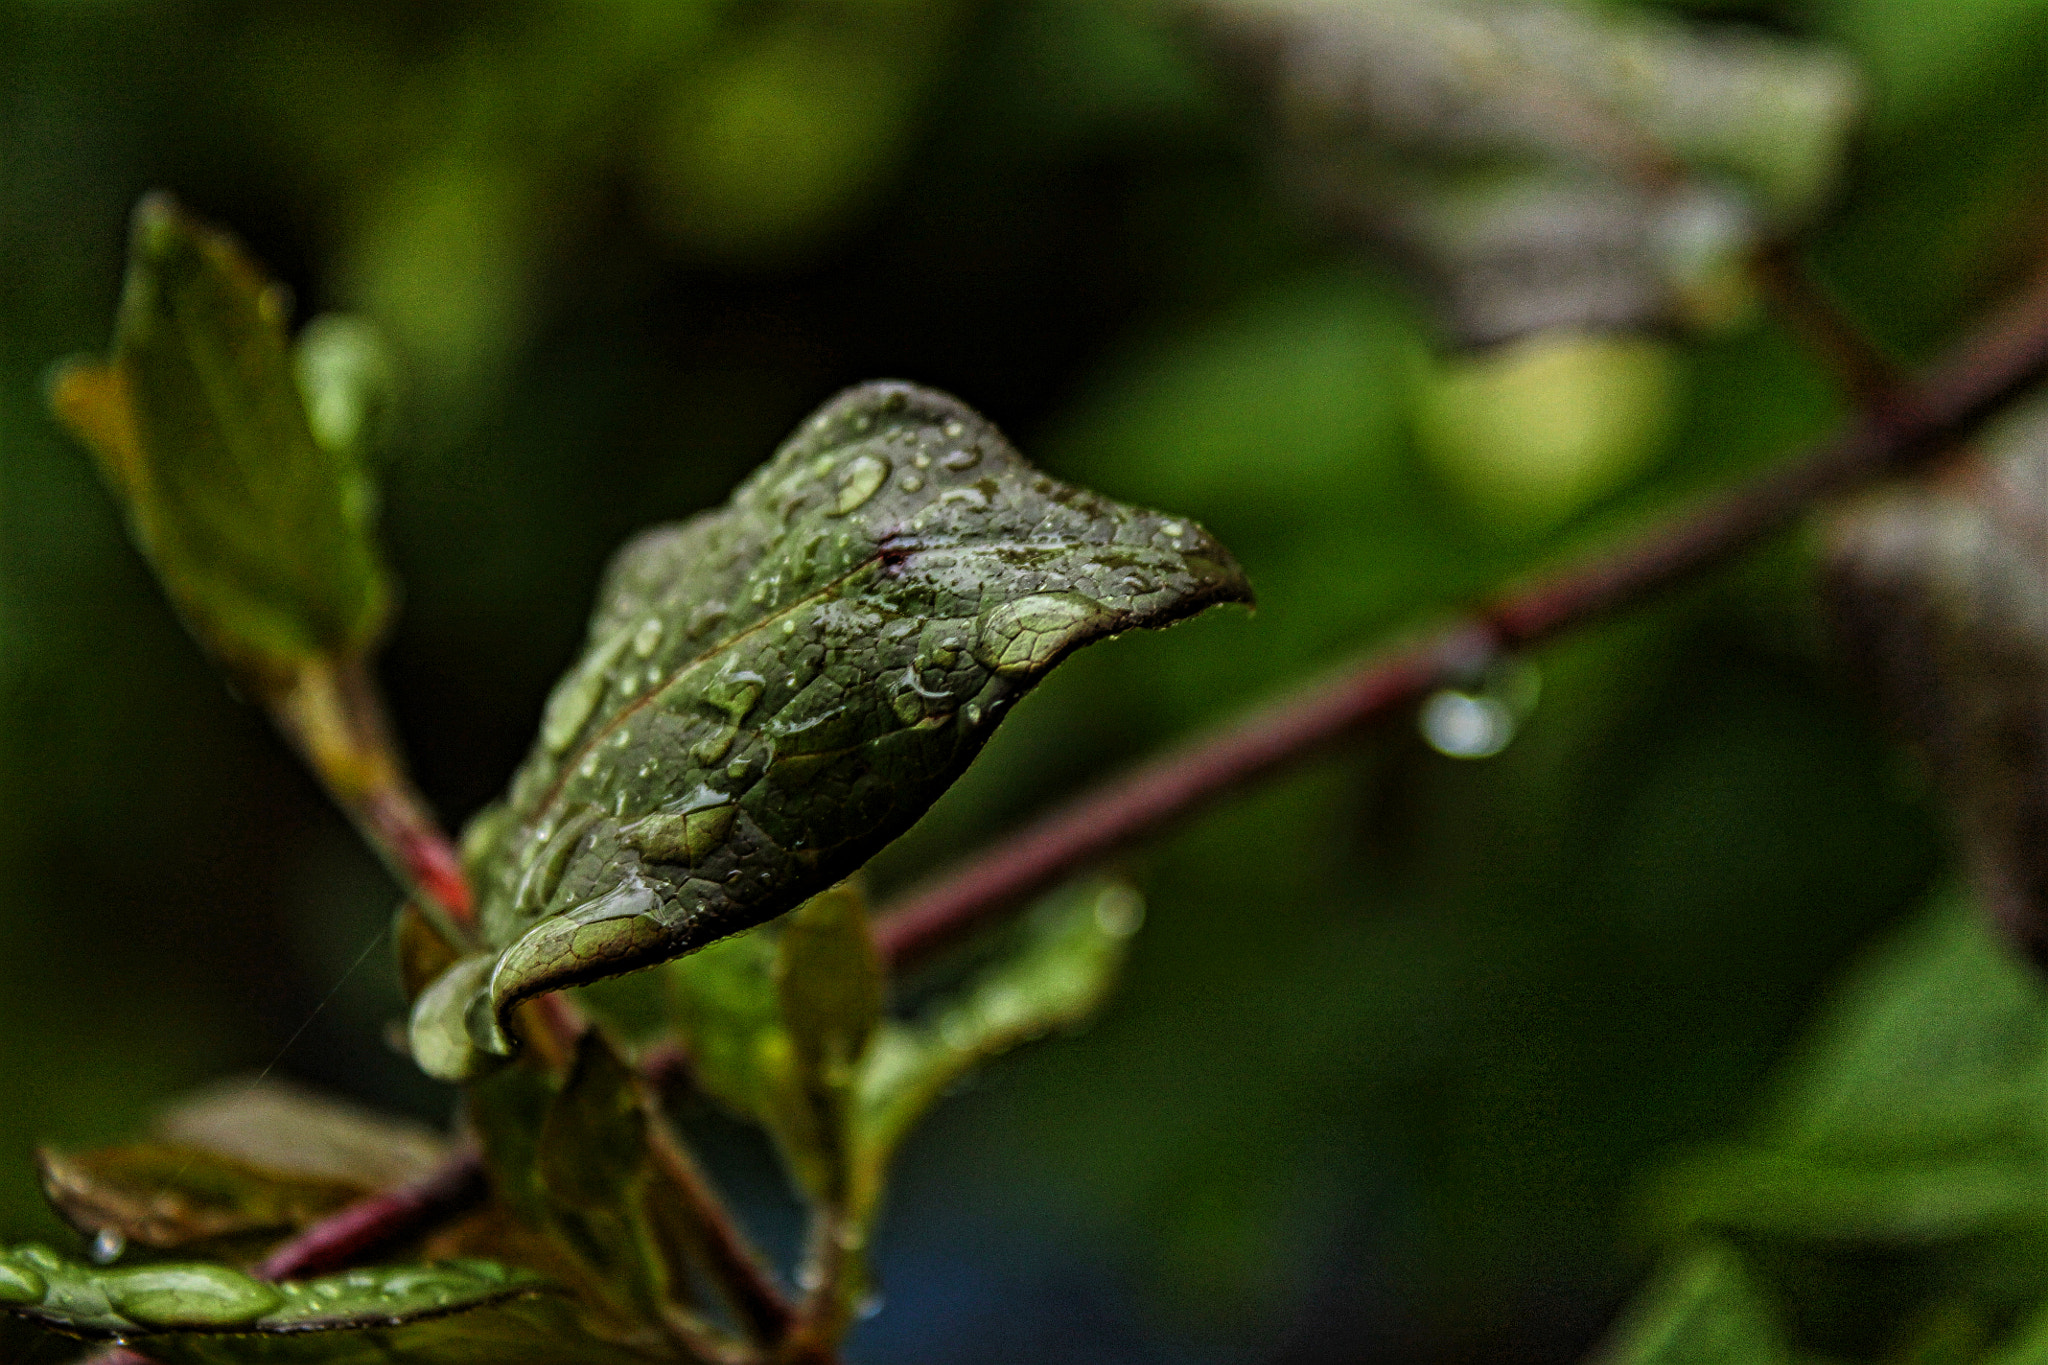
(757, 1303)
(380, 1221)
(333, 714)
(1871, 377)
(1906, 427)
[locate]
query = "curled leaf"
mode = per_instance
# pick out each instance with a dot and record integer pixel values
(776, 689)
(260, 533)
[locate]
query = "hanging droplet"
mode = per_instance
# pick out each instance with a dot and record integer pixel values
(107, 1246)
(1460, 725)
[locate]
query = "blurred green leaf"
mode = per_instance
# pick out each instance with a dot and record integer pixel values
(592, 1164)
(1938, 1044)
(2027, 1346)
(725, 1005)
(451, 1311)
(1534, 430)
(830, 985)
(825, 94)
(260, 533)
(507, 1110)
(1705, 1309)
(171, 1198)
(307, 1134)
(778, 688)
(579, 1194)
(1055, 977)
(1914, 1115)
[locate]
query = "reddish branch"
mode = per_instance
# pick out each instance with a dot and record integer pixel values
(1900, 428)
(375, 1224)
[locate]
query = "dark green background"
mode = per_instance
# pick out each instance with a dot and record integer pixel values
(1400, 1030)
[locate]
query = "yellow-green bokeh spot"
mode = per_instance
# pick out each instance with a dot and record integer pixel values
(1531, 432)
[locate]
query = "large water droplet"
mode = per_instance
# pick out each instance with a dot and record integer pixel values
(647, 637)
(189, 1296)
(1460, 725)
(863, 478)
(1028, 634)
(107, 1246)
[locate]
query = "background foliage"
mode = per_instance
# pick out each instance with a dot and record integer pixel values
(1403, 1035)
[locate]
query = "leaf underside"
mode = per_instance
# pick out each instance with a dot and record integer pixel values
(774, 690)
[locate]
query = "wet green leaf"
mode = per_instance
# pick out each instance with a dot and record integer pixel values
(1056, 977)
(453, 1311)
(776, 689)
(260, 533)
(184, 1198)
(1705, 1309)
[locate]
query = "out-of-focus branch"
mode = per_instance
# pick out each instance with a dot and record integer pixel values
(1909, 425)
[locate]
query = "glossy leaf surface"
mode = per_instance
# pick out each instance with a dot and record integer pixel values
(776, 689)
(260, 533)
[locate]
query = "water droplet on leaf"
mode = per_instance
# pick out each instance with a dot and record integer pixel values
(863, 478)
(189, 1296)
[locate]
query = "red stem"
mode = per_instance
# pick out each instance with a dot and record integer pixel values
(379, 1222)
(1897, 431)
